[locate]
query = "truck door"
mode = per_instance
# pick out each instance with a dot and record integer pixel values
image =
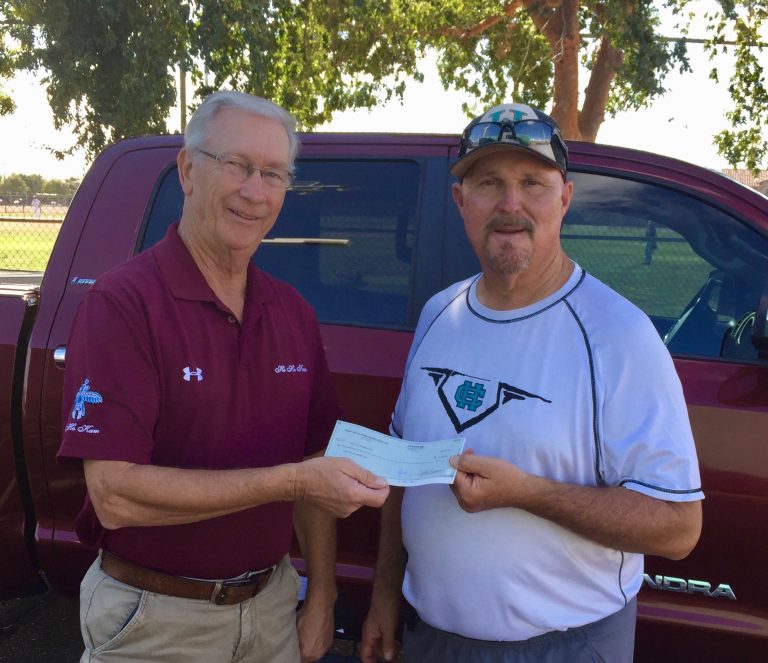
(17, 307)
(100, 231)
(698, 267)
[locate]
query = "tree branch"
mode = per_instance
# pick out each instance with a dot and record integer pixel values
(607, 61)
(565, 53)
(462, 34)
(547, 16)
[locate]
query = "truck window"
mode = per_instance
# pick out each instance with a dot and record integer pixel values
(696, 271)
(344, 238)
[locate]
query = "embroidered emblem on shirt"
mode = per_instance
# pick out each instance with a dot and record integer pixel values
(290, 368)
(469, 395)
(84, 395)
(189, 374)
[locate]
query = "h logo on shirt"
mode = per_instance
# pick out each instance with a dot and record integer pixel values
(189, 374)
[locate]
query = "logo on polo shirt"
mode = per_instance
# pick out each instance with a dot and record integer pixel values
(189, 374)
(468, 400)
(290, 368)
(84, 395)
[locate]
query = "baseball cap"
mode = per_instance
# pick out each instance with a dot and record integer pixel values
(512, 126)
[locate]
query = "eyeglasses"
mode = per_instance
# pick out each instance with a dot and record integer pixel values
(240, 170)
(533, 134)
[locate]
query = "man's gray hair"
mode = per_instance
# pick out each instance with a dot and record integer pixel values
(197, 130)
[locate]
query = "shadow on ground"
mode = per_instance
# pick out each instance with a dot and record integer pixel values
(40, 629)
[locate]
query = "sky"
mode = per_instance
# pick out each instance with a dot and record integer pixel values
(679, 124)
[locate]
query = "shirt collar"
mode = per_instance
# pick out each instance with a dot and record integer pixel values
(186, 281)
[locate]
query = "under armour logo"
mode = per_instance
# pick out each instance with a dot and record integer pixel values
(469, 396)
(189, 374)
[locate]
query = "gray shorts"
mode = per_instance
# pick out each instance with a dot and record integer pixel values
(610, 640)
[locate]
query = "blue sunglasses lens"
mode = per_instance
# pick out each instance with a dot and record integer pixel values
(532, 132)
(524, 132)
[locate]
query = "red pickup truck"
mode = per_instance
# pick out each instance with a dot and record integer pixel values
(367, 234)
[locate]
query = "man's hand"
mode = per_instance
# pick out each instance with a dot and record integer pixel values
(338, 485)
(486, 483)
(378, 634)
(315, 626)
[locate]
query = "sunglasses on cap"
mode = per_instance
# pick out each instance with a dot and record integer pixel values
(535, 135)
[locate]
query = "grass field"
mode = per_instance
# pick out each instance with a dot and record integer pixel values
(48, 211)
(662, 288)
(26, 245)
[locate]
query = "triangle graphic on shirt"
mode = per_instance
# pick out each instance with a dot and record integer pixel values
(468, 403)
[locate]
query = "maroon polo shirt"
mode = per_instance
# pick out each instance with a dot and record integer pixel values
(160, 372)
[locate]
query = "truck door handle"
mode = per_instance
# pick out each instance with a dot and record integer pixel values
(320, 241)
(60, 355)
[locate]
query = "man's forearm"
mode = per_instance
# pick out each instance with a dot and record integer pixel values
(127, 494)
(390, 567)
(614, 517)
(617, 517)
(316, 533)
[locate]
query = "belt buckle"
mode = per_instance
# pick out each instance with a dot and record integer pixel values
(218, 594)
(250, 579)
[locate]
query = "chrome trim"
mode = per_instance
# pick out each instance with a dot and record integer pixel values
(323, 241)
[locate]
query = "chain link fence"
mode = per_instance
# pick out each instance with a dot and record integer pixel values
(652, 266)
(29, 225)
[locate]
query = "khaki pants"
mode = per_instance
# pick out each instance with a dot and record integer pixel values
(122, 624)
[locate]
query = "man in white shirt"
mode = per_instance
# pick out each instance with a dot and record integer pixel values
(580, 459)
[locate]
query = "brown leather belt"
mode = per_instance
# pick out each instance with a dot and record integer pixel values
(226, 592)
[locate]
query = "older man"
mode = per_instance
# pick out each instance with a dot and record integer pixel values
(581, 455)
(193, 444)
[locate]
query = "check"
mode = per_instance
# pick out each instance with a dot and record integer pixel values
(400, 462)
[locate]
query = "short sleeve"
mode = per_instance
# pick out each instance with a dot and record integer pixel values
(111, 384)
(646, 435)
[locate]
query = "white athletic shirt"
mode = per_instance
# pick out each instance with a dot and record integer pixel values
(578, 388)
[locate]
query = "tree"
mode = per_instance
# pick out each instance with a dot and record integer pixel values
(13, 32)
(21, 185)
(61, 189)
(530, 51)
(24, 187)
(744, 143)
(109, 65)
(313, 57)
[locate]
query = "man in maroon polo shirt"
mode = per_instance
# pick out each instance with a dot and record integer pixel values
(198, 395)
